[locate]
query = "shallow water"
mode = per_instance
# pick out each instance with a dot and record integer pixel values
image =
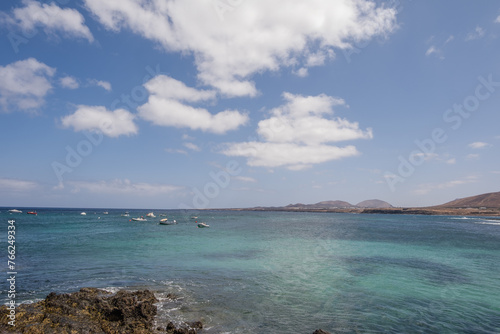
(272, 272)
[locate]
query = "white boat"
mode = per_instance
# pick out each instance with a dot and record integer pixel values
(105, 212)
(141, 219)
(15, 211)
(202, 225)
(194, 217)
(152, 215)
(125, 215)
(165, 221)
(83, 213)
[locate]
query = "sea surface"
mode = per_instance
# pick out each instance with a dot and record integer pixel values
(272, 272)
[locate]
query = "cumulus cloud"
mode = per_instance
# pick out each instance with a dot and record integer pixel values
(103, 84)
(167, 106)
(69, 82)
(120, 187)
(51, 18)
(297, 134)
(24, 84)
(230, 43)
(293, 156)
(301, 121)
(97, 118)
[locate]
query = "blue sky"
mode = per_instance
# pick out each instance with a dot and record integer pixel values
(239, 103)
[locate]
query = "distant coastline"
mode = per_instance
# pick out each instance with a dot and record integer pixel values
(480, 205)
(402, 211)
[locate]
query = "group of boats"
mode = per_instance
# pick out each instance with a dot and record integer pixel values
(19, 211)
(163, 221)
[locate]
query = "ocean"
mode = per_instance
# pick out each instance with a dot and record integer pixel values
(271, 272)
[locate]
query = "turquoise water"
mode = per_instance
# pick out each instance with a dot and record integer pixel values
(272, 272)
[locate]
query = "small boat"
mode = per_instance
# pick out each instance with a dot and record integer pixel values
(32, 213)
(105, 213)
(15, 211)
(194, 217)
(152, 215)
(141, 219)
(83, 214)
(202, 225)
(125, 215)
(165, 221)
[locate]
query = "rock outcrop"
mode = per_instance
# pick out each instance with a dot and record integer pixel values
(91, 311)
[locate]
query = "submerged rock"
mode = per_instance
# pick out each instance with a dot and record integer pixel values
(320, 331)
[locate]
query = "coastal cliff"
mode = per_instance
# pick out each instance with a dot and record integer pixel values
(91, 311)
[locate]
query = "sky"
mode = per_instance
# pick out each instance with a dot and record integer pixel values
(193, 104)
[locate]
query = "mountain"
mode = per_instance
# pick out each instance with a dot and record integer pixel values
(374, 204)
(489, 200)
(321, 205)
(331, 204)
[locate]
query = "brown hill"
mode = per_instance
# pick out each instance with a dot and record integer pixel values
(489, 200)
(374, 204)
(332, 204)
(321, 205)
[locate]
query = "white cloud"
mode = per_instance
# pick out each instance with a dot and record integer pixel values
(120, 187)
(478, 145)
(103, 84)
(13, 185)
(230, 43)
(97, 118)
(297, 133)
(192, 147)
(290, 155)
(51, 18)
(476, 34)
(24, 84)
(69, 82)
(166, 107)
(245, 179)
(497, 20)
(170, 88)
(300, 120)
(425, 156)
(451, 161)
(424, 189)
(431, 50)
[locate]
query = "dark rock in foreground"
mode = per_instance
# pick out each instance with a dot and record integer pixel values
(91, 311)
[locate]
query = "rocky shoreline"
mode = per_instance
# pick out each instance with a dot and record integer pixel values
(94, 311)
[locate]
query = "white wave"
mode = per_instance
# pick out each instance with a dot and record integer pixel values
(489, 222)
